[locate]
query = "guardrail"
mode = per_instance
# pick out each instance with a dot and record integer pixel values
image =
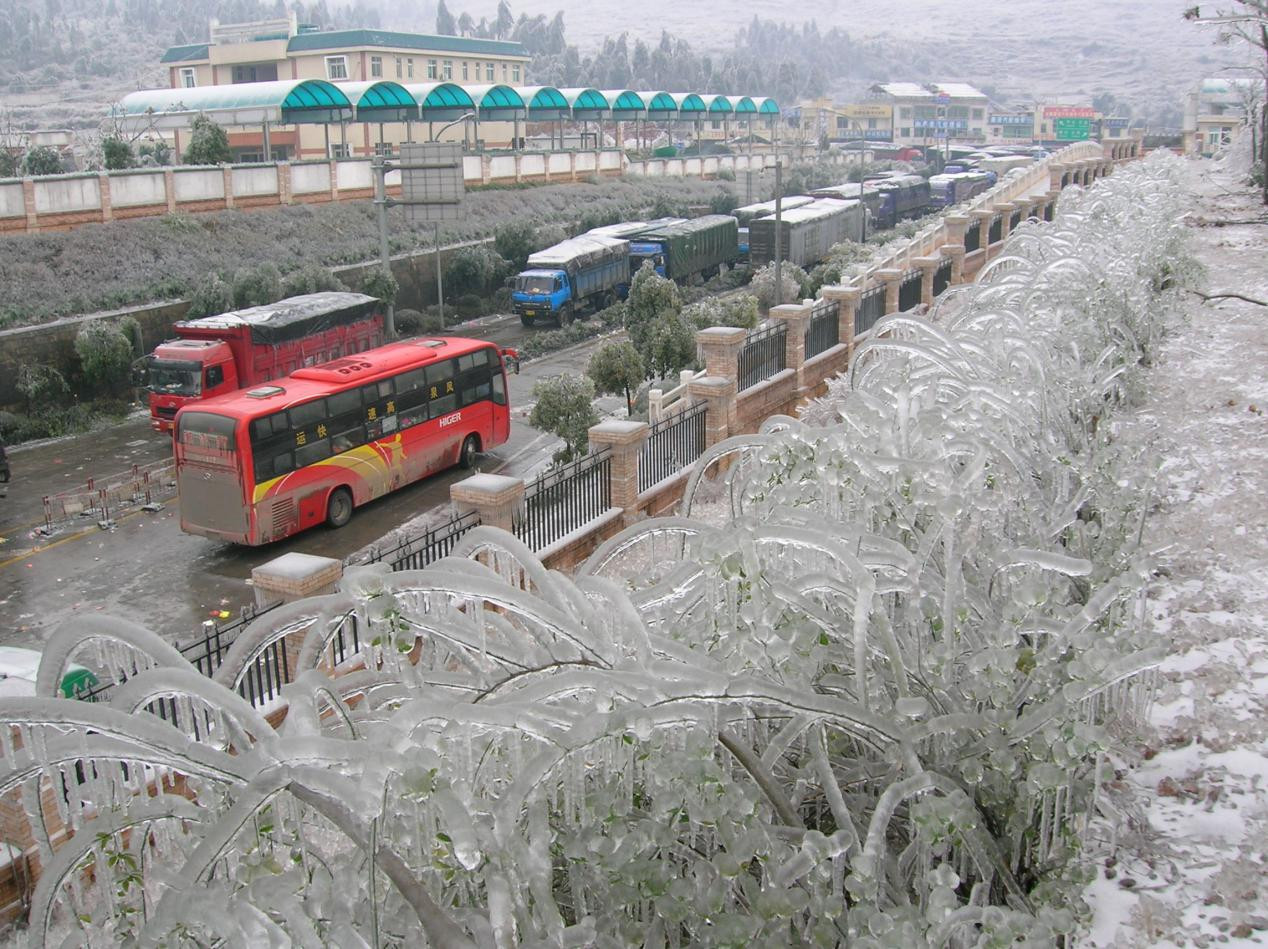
(763, 355)
(560, 500)
(103, 499)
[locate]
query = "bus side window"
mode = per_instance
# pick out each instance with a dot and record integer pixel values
(499, 389)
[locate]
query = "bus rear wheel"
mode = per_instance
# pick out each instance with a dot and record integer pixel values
(470, 448)
(339, 507)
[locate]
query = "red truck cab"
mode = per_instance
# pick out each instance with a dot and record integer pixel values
(181, 370)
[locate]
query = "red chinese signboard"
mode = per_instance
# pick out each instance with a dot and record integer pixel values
(1068, 112)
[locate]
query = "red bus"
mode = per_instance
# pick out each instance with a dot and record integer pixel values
(260, 464)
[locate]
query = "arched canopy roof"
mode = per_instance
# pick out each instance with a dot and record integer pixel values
(689, 104)
(286, 102)
(543, 102)
(380, 101)
(767, 106)
(497, 101)
(660, 105)
(586, 103)
(742, 105)
(624, 103)
(440, 101)
(717, 104)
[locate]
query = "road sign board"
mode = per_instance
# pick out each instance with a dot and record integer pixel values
(432, 184)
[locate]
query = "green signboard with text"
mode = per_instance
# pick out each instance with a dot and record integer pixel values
(1072, 130)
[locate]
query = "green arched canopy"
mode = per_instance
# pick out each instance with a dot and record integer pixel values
(543, 102)
(689, 104)
(625, 103)
(768, 107)
(742, 105)
(586, 103)
(440, 101)
(380, 101)
(660, 105)
(285, 102)
(497, 101)
(717, 105)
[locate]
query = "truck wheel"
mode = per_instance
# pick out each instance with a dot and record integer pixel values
(339, 507)
(526, 320)
(565, 315)
(470, 448)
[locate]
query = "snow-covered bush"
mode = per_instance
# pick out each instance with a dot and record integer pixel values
(793, 279)
(859, 694)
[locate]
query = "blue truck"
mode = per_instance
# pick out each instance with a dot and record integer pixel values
(582, 271)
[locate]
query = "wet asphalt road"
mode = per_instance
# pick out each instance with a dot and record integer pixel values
(147, 570)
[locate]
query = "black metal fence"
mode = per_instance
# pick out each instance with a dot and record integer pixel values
(763, 355)
(973, 237)
(1049, 210)
(824, 329)
(942, 277)
(672, 444)
(562, 499)
(871, 308)
(1014, 221)
(415, 553)
(909, 291)
(997, 229)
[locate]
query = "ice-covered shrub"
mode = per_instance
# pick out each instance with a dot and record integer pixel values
(793, 279)
(256, 286)
(105, 359)
(860, 693)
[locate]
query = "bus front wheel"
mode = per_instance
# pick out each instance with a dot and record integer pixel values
(470, 448)
(339, 507)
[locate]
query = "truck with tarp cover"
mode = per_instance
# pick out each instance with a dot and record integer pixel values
(807, 233)
(684, 249)
(560, 280)
(214, 355)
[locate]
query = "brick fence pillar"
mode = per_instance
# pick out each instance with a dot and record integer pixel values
(795, 317)
(892, 277)
(291, 577)
(28, 205)
(334, 180)
(720, 346)
(625, 440)
(284, 193)
(496, 498)
(1005, 210)
(847, 301)
(927, 266)
(957, 226)
(956, 253)
(718, 395)
(1057, 171)
(103, 189)
(169, 189)
(227, 171)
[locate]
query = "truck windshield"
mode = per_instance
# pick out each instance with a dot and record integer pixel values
(534, 284)
(173, 377)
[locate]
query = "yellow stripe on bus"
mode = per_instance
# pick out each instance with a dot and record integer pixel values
(353, 458)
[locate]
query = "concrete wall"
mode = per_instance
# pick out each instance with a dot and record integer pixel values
(67, 193)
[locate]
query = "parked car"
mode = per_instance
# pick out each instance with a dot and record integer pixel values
(18, 669)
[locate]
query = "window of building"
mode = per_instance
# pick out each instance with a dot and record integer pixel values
(977, 115)
(871, 123)
(488, 72)
(447, 71)
(265, 72)
(340, 150)
(409, 67)
(715, 124)
(515, 73)
(504, 71)
(465, 64)
(431, 69)
(905, 133)
(904, 112)
(187, 78)
(336, 67)
(376, 67)
(400, 68)
(383, 148)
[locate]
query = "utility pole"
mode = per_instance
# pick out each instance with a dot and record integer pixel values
(379, 169)
(779, 226)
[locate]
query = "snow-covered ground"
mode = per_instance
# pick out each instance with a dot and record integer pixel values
(1189, 865)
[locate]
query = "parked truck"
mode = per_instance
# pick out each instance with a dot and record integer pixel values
(218, 354)
(682, 249)
(560, 280)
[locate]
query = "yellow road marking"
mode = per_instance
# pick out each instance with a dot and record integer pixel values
(64, 540)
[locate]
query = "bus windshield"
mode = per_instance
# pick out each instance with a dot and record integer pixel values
(173, 377)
